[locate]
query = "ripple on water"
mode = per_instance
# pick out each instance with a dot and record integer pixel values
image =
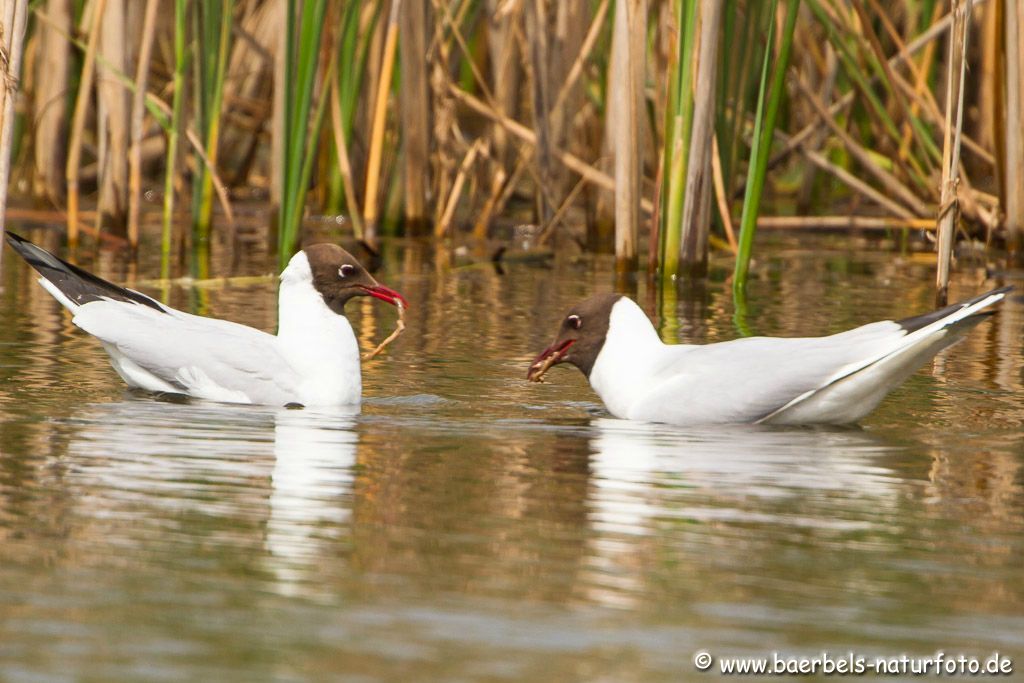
(467, 524)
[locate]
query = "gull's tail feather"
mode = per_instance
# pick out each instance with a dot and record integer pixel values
(865, 384)
(957, 312)
(69, 284)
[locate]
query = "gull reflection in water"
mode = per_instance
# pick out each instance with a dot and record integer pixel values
(682, 483)
(314, 459)
(201, 479)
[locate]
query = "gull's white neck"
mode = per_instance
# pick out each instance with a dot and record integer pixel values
(316, 341)
(627, 363)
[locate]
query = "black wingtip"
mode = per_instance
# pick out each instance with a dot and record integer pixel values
(78, 285)
(16, 241)
(917, 322)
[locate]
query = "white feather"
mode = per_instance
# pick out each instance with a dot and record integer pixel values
(314, 359)
(835, 380)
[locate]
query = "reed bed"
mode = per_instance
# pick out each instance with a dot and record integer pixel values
(608, 125)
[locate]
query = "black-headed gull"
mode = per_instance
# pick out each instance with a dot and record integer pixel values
(813, 380)
(312, 361)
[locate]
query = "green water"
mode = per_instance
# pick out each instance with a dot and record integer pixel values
(468, 525)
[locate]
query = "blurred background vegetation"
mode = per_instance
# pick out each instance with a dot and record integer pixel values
(654, 129)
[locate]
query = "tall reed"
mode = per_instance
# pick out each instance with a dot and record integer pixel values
(72, 168)
(696, 221)
(352, 54)
(949, 204)
(524, 100)
(13, 40)
(678, 134)
(52, 79)
(1011, 152)
(212, 20)
(174, 131)
(138, 120)
(304, 28)
(415, 111)
(112, 118)
(371, 210)
(626, 88)
(764, 130)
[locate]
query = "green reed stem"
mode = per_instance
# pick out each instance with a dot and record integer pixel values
(678, 129)
(214, 26)
(300, 75)
(173, 132)
(764, 129)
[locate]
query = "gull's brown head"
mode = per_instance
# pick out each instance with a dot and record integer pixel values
(339, 276)
(581, 335)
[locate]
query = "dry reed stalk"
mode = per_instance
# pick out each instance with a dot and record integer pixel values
(50, 109)
(78, 120)
(251, 77)
(338, 132)
(796, 141)
(511, 183)
(720, 196)
(920, 96)
(654, 224)
(948, 207)
(380, 109)
(14, 38)
(826, 86)
(918, 93)
(854, 182)
(989, 103)
(415, 111)
(593, 33)
(483, 219)
(113, 119)
(442, 162)
(867, 30)
(537, 38)
(918, 72)
(853, 56)
(696, 216)
(138, 120)
(863, 156)
(278, 135)
(571, 21)
(452, 24)
(549, 229)
(505, 70)
(453, 199)
(626, 85)
(6, 20)
(1013, 148)
(844, 222)
(570, 161)
(925, 101)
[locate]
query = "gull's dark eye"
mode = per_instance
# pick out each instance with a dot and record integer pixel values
(575, 322)
(346, 270)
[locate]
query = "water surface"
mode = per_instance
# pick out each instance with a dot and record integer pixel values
(468, 525)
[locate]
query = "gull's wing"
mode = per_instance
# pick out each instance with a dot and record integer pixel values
(201, 357)
(746, 380)
(832, 379)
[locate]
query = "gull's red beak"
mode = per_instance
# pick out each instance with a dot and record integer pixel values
(547, 358)
(386, 294)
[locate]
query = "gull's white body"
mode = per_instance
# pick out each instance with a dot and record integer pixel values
(817, 380)
(313, 360)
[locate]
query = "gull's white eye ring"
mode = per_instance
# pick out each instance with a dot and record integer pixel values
(346, 270)
(575, 321)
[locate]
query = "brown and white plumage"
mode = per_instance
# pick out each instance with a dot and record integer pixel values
(836, 379)
(313, 360)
